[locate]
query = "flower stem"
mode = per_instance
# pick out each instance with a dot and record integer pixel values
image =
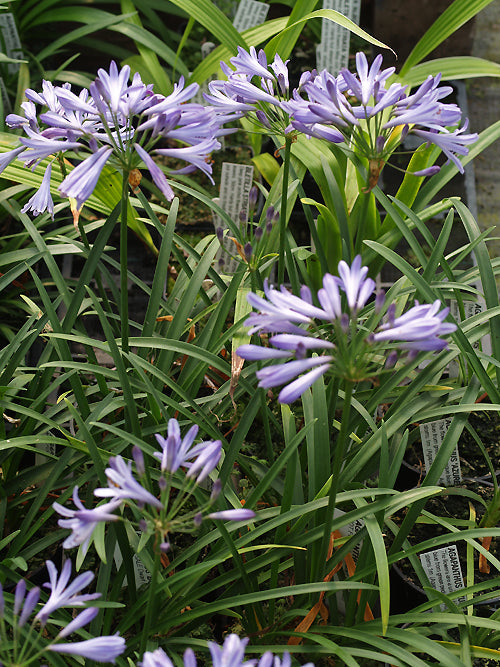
(152, 597)
(283, 207)
(338, 461)
(124, 264)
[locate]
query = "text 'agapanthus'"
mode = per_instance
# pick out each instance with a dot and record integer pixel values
(333, 336)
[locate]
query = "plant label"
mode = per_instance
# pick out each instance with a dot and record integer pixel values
(141, 573)
(443, 570)
(333, 51)
(432, 435)
(349, 530)
(249, 14)
(235, 185)
(10, 42)
(471, 308)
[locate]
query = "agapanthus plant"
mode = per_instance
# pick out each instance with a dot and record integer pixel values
(372, 117)
(332, 337)
(27, 637)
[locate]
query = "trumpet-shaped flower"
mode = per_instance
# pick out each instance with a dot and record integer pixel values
(100, 649)
(176, 451)
(82, 521)
(63, 593)
(124, 486)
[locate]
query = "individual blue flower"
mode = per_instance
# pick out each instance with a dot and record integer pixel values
(100, 649)
(41, 200)
(419, 328)
(83, 521)
(123, 485)
(80, 183)
(62, 592)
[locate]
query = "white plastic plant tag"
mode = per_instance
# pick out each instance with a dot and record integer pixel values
(432, 435)
(333, 51)
(442, 567)
(49, 448)
(10, 42)
(141, 573)
(249, 14)
(349, 530)
(471, 308)
(235, 185)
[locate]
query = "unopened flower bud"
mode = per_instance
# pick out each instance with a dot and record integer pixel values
(253, 196)
(258, 233)
(430, 171)
(164, 547)
(216, 489)
(248, 250)
(143, 525)
(221, 263)
(162, 483)
(379, 301)
(243, 215)
(379, 143)
(270, 213)
(262, 118)
(392, 357)
(344, 322)
(404, 132)
(391, 313)
(220, 233)
(138, 457)
(198, 518)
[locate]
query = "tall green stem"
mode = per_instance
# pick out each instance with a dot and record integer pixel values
(338, 460)
(124, 264)
(152, 597)
(283, 207)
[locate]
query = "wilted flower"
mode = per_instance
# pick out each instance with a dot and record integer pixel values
(340, 342)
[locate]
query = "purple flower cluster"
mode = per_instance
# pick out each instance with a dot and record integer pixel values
(124, 487)
(230, 654)
(339, 342)
(115, 121)
(63, 593)
(253, 86)
(365, 111)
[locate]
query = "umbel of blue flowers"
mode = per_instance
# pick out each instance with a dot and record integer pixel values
(256, 89)
(372, 117)
(162, 511)
(30, 631)
(230, 654)
(117, 122)
(336, 336)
